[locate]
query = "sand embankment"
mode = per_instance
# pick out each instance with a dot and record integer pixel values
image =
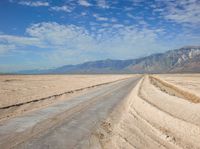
(151, 118)
(187, 82)
(175, 90)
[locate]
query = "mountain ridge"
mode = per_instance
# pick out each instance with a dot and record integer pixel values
(185, 59)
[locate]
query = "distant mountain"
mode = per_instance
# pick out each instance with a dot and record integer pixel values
(186, 59)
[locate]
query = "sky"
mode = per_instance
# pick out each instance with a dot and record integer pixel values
(42, 34)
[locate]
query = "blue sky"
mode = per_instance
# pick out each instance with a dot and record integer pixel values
(43, 34)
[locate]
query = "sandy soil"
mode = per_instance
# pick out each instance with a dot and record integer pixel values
(151, 118)
(67, 123)
(189, 82)
(162, 111)
(15, 89)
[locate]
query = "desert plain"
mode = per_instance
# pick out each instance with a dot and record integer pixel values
(15, 89)
(100, 111)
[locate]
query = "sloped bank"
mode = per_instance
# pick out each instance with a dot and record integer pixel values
(109, 134)
(174, 90)
(150, 118)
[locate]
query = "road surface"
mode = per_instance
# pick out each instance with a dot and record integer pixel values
(67, 124)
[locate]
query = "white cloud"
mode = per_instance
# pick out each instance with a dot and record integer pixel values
(103, 4)
(118, 25)
(184, 11)
(64, 8)
(66, 42)
(19, 41)
(61, 36)
(130, 16)
(113, 19)
(105, 24)
(100, 18)
(84, 3)
(158, 10)
(83, 13)
(34, 4)
(128, 8)
(137, 2)
(74, 38)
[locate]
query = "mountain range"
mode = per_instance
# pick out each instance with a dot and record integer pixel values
(184, 60)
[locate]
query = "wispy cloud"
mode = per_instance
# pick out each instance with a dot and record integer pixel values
(64, 8)
(19, 41)
(83, 13)
(100, 18)
(113, 19)
(95, 29)
(130, 15)
(65, 42)
(84, 3)
(74, 38)
(61, 36)
(34, 3)
(102, 4)
(184, 11)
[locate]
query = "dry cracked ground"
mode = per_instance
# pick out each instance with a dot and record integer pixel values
(100, 111)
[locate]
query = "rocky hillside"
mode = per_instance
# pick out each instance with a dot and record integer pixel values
(186, 59)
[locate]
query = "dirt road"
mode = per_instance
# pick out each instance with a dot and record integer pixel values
(67, 124)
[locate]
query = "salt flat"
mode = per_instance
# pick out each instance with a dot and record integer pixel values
(159, 111)
(16, 89)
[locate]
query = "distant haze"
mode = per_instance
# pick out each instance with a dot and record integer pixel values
(183, 60)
